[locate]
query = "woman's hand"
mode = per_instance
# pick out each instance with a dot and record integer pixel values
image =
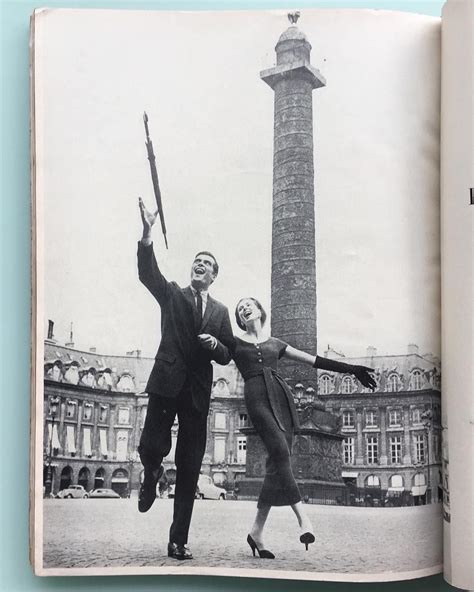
(362, 373)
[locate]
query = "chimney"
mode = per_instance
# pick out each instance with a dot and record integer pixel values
(70, 343)
(50, 329)
(371, 351)
(93, 350)
(412, 349)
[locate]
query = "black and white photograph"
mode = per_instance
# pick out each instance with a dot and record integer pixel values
(237, 294)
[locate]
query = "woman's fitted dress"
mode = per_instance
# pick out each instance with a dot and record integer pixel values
(273, 414)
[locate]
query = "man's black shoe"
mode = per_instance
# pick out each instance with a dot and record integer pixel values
(180, 552)
(147, 494)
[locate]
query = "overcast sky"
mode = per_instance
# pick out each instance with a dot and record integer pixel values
(376, 135)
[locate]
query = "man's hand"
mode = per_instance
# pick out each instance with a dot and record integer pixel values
(363, 376)
(207, 341)
(148, 219)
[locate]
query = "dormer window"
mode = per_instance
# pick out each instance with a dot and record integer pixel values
(347, 385)
(325, 384)
(393, 383)
(416, 380)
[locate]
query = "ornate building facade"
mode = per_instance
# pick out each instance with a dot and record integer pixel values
(95, 407)
(391, 450)
(94, 411)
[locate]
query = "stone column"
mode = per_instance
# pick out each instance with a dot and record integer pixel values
(293, 296)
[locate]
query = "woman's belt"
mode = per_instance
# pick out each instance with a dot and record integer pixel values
(270, 376)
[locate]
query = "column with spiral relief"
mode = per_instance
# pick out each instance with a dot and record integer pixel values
(293, 278)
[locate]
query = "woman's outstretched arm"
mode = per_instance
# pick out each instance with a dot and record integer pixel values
(362, 373)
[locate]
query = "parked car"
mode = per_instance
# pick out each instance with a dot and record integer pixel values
(110, 493)
(73, 491)
(207, 490)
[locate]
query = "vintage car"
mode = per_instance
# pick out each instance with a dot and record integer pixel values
(205, 489)
(104, 493)
(73, 491)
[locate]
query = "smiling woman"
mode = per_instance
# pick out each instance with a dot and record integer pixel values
(272, 411)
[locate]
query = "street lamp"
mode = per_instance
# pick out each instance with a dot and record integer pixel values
(310, 394)
(131, 460)
(53, 410)
(299, 390)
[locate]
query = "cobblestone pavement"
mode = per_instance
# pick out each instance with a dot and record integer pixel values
(106, 533)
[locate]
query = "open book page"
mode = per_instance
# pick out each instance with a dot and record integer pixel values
(303, 156)
(457, 244)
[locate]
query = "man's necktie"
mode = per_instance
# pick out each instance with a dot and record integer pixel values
(199, 306)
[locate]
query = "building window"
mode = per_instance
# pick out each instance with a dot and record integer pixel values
(416, 380)
(347, 385)
(419, 480)
(325, 384)
(143, 416)
(396, 481)
(219, 421)
(71, 408)
(348, 451)
(395, 417)
(243, 420)
(372, 481)
(103, 414)
(86, 443)
(371, 418)
(124, 415)
(437, 447)
(122, 445)
(53, 406)
(348, 419)
(396, 449)
(416, 416)
(372, 450)
(54, 438)
(219, 449)
(241, 450)
(103, 443)
(70, 440)
(420, 448)
(392, 383)
(87, 411)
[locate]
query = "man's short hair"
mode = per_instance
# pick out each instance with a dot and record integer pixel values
(215, 267)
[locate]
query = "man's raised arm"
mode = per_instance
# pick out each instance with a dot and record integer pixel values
(148, 270)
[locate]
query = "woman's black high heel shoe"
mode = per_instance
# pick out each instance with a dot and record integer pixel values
(262, 553)
(307, 538)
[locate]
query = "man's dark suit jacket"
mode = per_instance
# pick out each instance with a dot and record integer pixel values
(180, 358)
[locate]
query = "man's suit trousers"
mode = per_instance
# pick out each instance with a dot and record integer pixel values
(155, 444)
